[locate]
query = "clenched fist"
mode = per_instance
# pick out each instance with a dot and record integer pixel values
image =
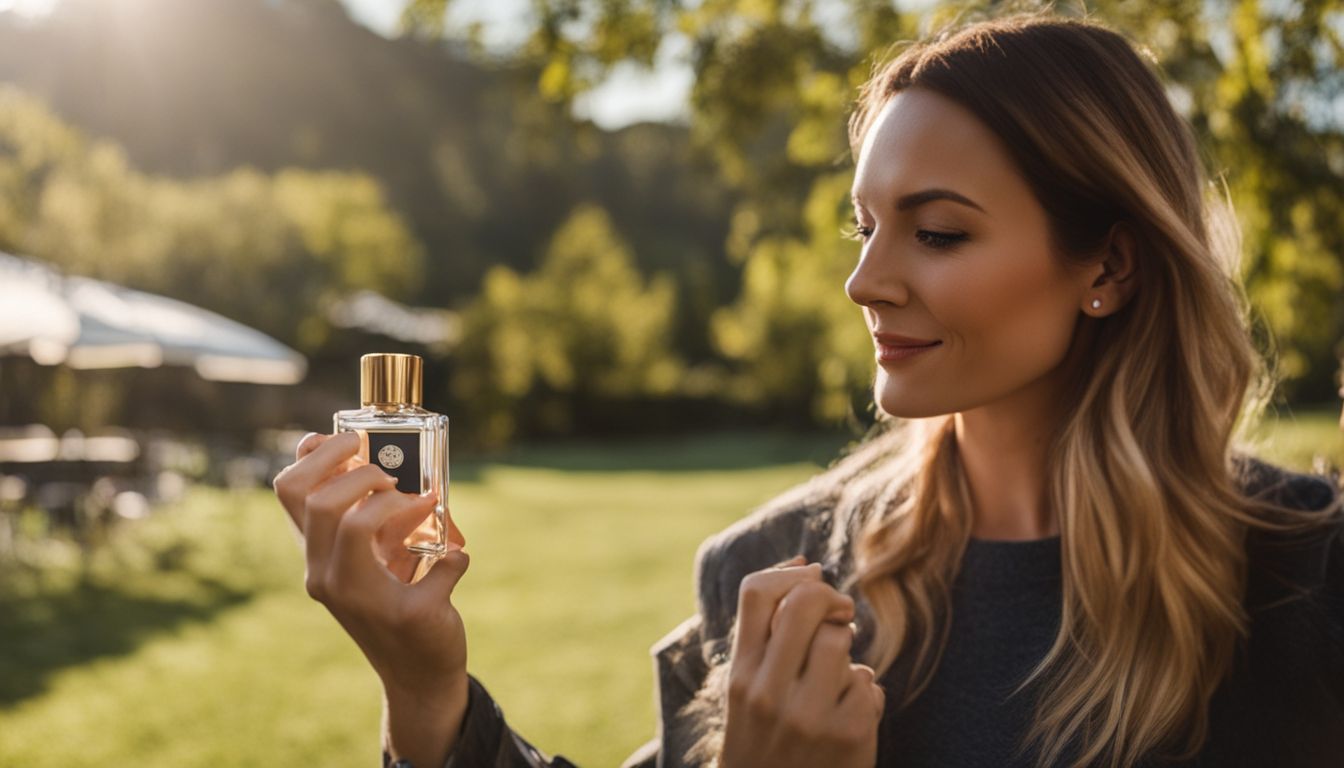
(794, 696)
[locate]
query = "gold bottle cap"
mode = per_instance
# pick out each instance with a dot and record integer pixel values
(388, 378)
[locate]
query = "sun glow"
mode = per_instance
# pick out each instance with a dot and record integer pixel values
(29, 8)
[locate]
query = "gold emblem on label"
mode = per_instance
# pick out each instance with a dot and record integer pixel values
(391, 456)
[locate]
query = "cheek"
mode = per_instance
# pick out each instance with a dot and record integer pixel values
(1005, 308)
(1005, 321)
(1011, 321)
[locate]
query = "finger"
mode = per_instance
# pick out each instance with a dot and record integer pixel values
(296, 481)
(352, 551)
(864, 697)
(312, 440)
(825, 673)
(390, 542)
(758, 595)
(455, 536)
(802, 610)
(399, 561)
(838, 615)
(396, 528)
(442, 577)
(397, 557)
(308, 443)
(325, 507)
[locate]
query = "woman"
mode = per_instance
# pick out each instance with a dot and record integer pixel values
(1049, 551)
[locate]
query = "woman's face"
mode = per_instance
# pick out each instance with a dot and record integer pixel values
(970, 267)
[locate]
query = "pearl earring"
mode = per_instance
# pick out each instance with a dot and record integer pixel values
(1096, 303)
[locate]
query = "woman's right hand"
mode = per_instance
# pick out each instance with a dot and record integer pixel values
(353, 522)
(794, 697)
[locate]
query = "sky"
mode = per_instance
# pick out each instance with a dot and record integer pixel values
(27, 7)
(631, 94)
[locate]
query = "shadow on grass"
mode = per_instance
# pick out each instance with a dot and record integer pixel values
(44, 633)
(689, 453)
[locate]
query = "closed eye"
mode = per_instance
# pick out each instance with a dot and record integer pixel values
(939, 239)
(856, 231)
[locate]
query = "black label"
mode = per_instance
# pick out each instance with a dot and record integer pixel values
(397, 454)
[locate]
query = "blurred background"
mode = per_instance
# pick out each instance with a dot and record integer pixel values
(612, 230)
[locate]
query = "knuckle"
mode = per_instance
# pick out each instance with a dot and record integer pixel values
(739, 685)
(316, 502)
(330, 585)
(283, 484)
(762, 704)
(834, 640)
(316, 587)
(862, 673)
(282, 478)
(799, 597)
(809, 591)
(750, 588)
(306, 443)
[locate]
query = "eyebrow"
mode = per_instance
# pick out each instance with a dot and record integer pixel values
(915, 199)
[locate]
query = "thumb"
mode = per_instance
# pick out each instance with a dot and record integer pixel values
(443, 574)
(406, 519)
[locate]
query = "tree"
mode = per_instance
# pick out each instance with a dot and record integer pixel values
(1262, 83)
(583, 328)
(238, 243)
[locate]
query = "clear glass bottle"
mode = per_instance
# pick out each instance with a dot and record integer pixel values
(403, 439)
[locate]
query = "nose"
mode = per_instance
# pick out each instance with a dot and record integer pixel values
(875, 279)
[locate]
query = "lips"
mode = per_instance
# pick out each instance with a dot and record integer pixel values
(893, 347)
(897, 340)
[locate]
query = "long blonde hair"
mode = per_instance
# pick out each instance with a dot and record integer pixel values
(1147, 470)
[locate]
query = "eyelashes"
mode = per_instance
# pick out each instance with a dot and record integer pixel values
(937, 240)
(855, 231)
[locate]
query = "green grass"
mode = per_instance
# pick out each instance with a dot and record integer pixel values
(187, 639)
(193, 643)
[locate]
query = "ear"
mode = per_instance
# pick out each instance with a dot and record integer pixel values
(1112, 276)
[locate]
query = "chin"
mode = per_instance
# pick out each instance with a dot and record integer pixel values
(903, 405)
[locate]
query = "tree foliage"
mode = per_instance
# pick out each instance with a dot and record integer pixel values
(469, 172)
(267, 249)
(584, 327)
(1263, 84)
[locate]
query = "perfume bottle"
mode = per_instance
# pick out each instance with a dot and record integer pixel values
(405, 440)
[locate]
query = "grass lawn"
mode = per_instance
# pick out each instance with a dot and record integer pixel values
(195, 644)
(188, 640)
